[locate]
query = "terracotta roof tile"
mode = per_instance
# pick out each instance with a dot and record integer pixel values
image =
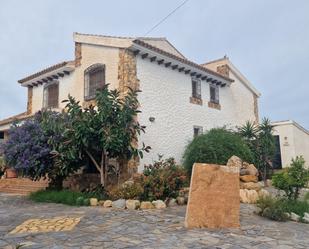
(20, 116)
(46, 70)
(188, 62)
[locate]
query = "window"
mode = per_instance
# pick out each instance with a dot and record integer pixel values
(214, 94)
(196, 88)
(51, 95)
(197, 130)
(94, 80)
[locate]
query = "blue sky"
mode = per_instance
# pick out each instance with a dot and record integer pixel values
(267, 40)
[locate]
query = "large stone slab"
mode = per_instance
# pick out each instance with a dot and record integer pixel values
(213, 197)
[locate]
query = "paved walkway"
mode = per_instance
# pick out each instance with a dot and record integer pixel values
(107, 228)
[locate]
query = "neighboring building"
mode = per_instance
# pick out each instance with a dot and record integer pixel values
(179, 99)
(292, 140)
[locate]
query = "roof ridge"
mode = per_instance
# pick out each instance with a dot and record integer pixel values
(123, 37)
(216, 60)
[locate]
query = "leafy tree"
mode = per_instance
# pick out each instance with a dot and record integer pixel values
(66, 159)
(216, 146)
(37, 148)
(106, 131)
(293, 179)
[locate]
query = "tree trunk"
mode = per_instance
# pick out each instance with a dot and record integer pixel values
(56, 183)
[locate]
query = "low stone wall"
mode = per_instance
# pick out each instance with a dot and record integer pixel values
(82, 182)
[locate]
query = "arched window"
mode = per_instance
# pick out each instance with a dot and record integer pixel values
(94, 80)
(51, 95)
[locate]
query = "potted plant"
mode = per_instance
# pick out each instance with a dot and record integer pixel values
(11, 173)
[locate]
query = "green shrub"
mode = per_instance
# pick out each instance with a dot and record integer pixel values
(80, 201)
(271, 208)
(65, 197)
(277, 208)
(133, 191)
(216, 146)
(86, 202)
(163, 179)
(292, 179)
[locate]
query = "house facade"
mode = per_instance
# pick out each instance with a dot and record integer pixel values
(292, 140)
(179, 100)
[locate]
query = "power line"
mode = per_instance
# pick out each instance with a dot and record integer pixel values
(161, 21)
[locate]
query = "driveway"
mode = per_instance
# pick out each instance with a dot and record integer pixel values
(96, 227)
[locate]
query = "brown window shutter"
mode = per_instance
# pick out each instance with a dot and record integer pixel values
(52, 95)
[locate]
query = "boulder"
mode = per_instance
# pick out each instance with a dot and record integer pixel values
(159, 204)
(250, 185)
(243, 172)
(93, 202)
(172, 202)
(146, 205)
(263, 193)
(121, 204)
(214, 197)
(133, 204)
(252, 170)
(101, 203)
(234, 161)
(248, 196)
(108, 203)
(306, 215)
(294, 217)
(181, 200)
(248, 178)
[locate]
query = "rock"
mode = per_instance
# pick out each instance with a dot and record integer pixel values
(248, 196)
(108, 203)
(101, 203)
(268, 183)
(184, 192)
(159, 204)
(249, 178)
(132, 204)
(306, 220)
(234, 161)
(306, 215)
(146, 205)
(288, 215)
(252, 170)
(93, 202)
(172, 202)
(243, 172)
(214, 197)
(181, 200)
(294, 217)
(263, 193)
(121, 204)
(250, 185)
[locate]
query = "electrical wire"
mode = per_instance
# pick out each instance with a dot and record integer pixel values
(162, 20)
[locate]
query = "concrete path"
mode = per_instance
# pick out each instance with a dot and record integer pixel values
(87, 227)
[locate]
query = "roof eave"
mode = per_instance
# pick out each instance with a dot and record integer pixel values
(183, 63)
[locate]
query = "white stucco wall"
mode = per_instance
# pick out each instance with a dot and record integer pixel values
(294, 141)
(73, 84)
(243, 100)
(165, 96)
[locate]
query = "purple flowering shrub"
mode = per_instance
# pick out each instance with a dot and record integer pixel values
(27, 150)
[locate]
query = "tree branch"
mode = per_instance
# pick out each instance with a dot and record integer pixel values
(94, 161)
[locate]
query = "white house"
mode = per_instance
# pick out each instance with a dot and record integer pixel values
(293, 140)
(179, 98)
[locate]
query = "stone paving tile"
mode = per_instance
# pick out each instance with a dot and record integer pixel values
(108, 228)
